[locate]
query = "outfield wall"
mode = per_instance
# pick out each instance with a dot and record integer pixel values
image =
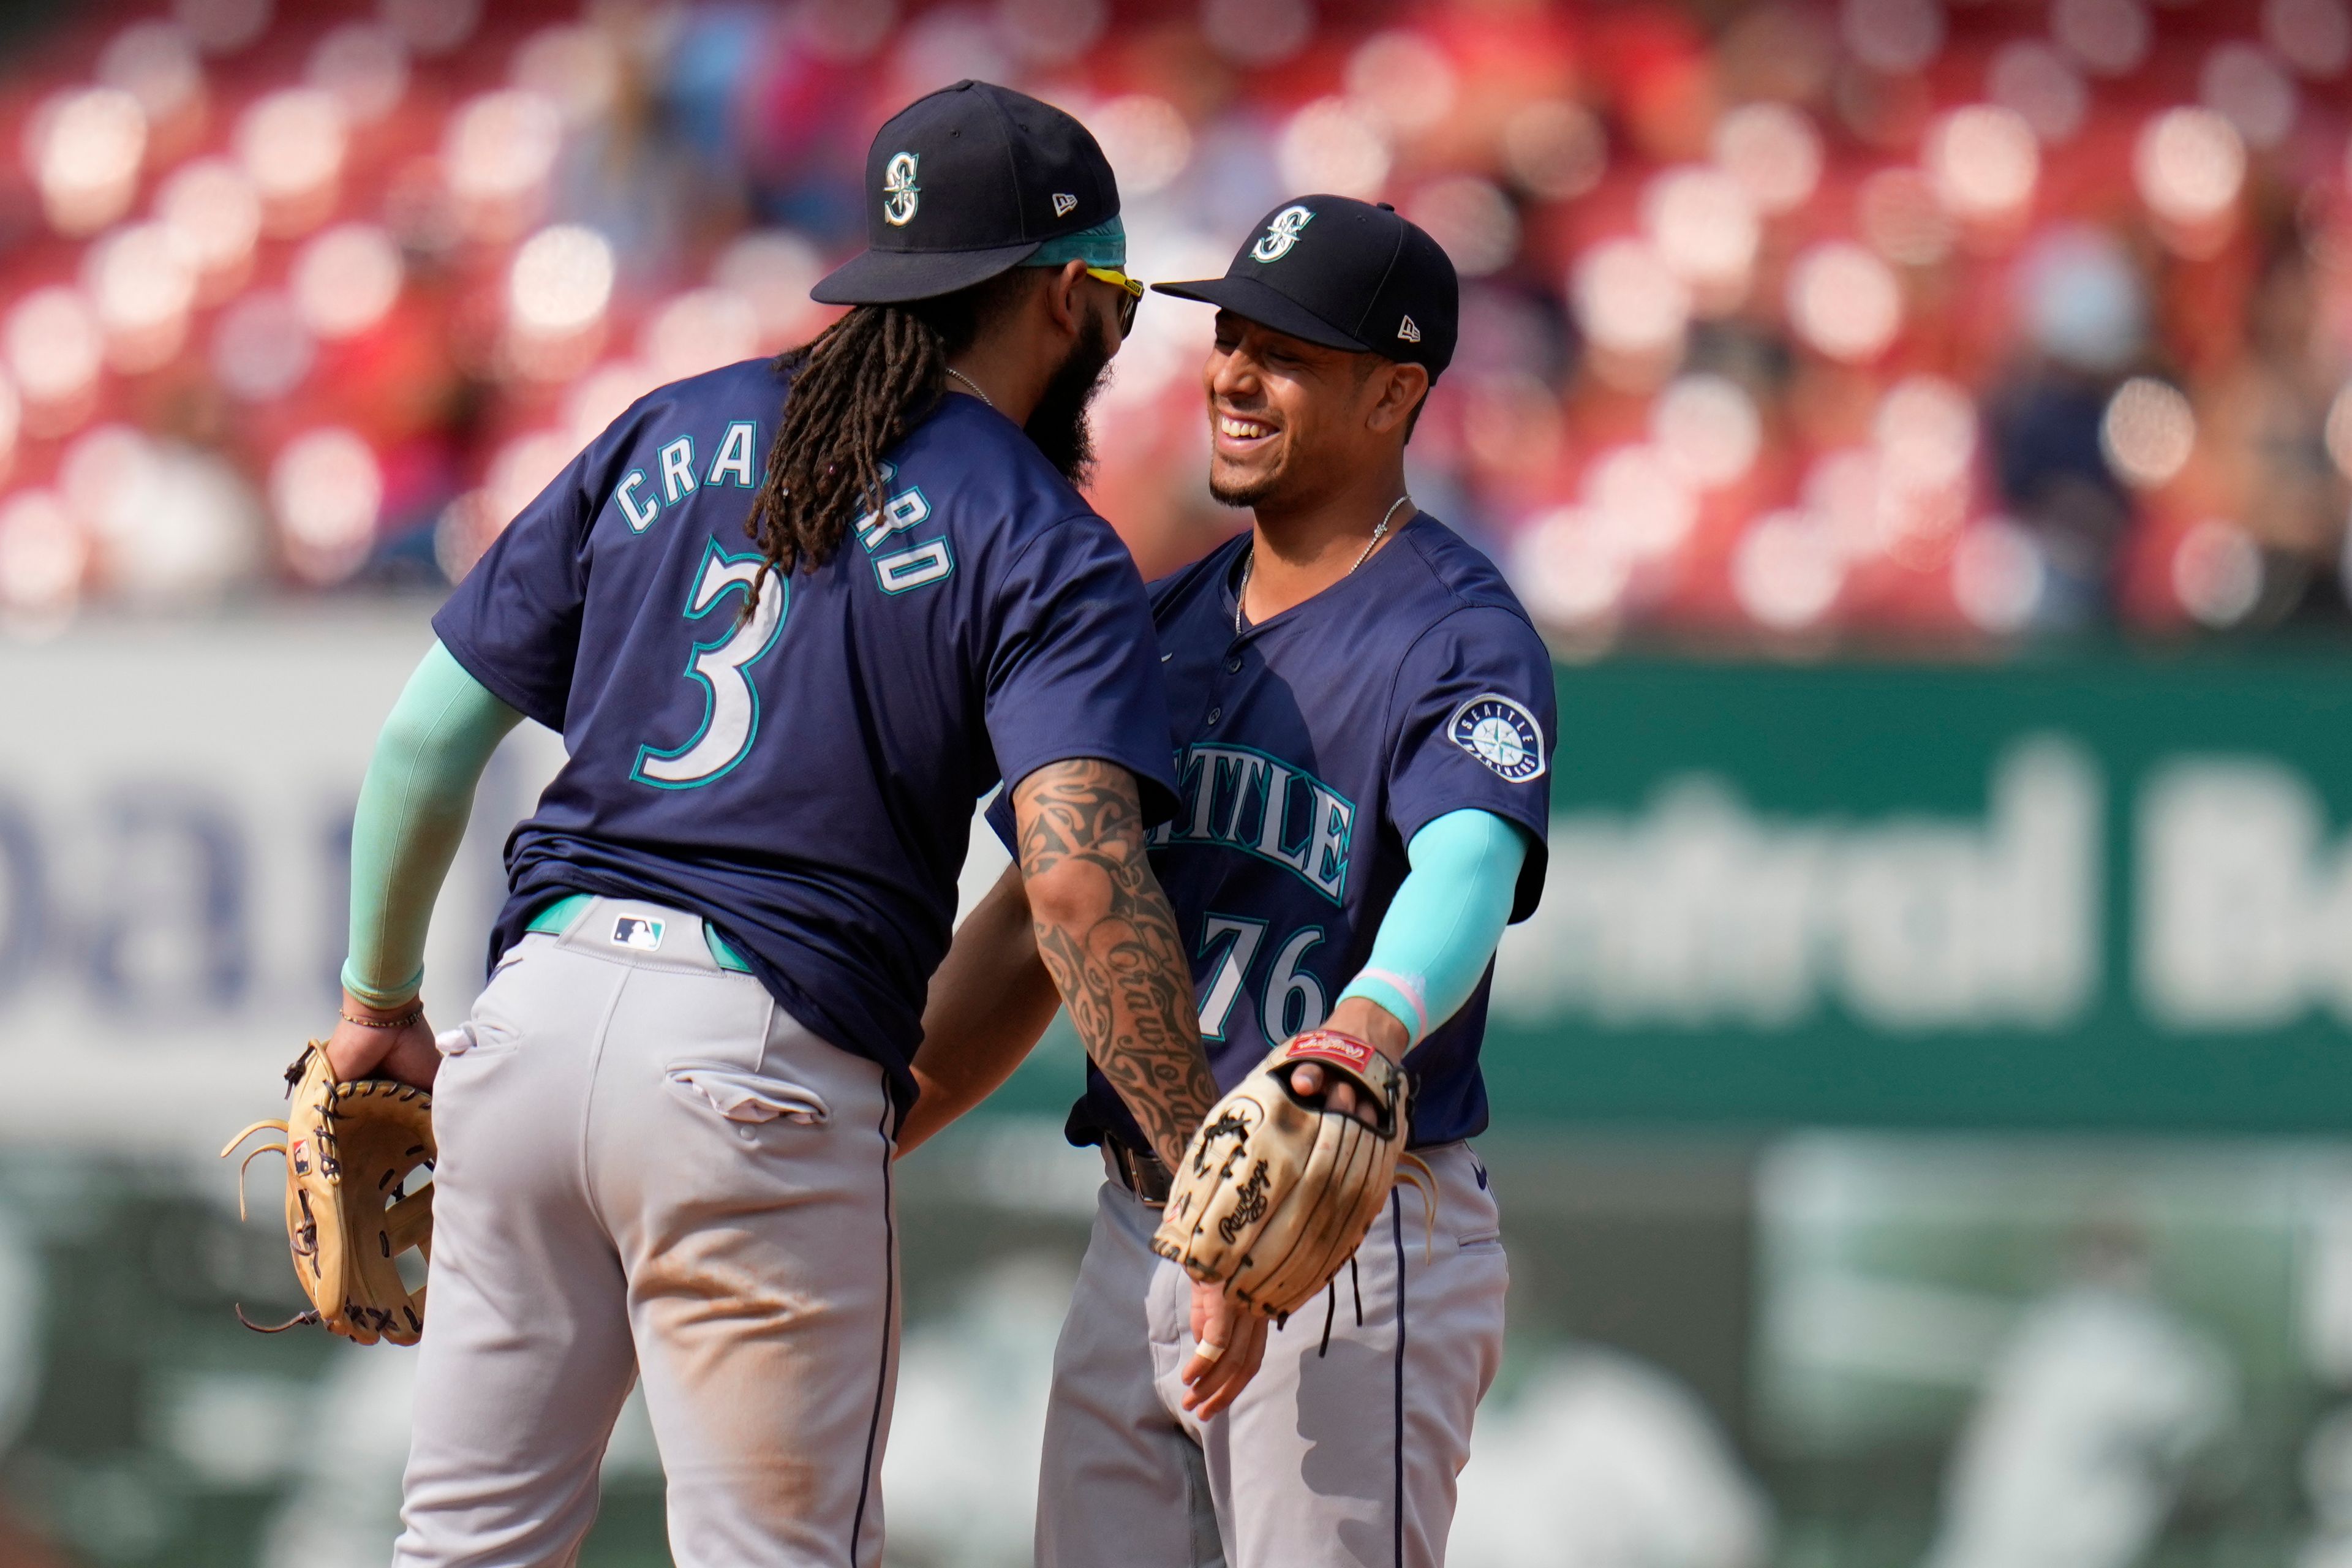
(2097, 892)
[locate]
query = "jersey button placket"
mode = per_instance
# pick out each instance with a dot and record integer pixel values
(1233, 666)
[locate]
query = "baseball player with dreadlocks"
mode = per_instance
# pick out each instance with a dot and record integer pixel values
(1362, 712)
(665, 1128)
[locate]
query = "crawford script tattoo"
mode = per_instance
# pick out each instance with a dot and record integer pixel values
(1121, 967)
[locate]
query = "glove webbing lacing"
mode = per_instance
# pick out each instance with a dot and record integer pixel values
(1332, 1312)
(1423, 1180)
(302, 1319)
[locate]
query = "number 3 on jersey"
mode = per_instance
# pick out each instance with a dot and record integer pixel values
(730, 704)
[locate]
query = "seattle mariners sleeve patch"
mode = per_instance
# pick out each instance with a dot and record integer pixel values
(1500, 733)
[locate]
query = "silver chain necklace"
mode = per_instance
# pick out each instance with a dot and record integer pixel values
(1380, 531)
(974, 385)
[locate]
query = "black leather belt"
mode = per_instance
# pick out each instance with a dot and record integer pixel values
(1145, 1176)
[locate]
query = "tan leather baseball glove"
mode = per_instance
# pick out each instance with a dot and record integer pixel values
(350, 1149)
(1276, 1191)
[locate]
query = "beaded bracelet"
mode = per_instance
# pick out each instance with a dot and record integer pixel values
(411, 1016)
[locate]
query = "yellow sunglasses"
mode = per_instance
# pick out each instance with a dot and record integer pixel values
(1131, 287)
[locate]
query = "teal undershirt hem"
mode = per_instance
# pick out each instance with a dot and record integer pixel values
(411, 813)
(558, 917)
(1444, 924)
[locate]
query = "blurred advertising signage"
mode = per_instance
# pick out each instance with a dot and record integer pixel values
(176, 809)
(2104, 893)
(2096, 892)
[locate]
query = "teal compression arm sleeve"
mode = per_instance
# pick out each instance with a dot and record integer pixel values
(1442, 926)
(413, 808)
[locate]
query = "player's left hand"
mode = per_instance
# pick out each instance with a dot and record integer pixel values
(1212, 1383)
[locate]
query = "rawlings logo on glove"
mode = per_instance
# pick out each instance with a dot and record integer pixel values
(349, 1148)
(1278, 1190)
(1323, 1045)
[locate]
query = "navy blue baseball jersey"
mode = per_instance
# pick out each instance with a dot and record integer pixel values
(798, 766)
(1310, 749)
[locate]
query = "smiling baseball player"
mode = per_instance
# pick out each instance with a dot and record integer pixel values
(665, 1128)
(1363, 716)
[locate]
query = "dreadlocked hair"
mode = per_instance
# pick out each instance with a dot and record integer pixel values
(856, 389)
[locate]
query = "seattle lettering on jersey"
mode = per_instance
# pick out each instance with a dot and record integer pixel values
(1244, 799)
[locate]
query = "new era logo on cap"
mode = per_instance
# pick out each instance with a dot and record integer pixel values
(1408, 332)
(1064, 202)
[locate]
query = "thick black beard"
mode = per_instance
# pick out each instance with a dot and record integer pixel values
(1058, 425)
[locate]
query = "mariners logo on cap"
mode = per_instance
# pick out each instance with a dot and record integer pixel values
(1281, 233)
(900, 194)
(1501, 734)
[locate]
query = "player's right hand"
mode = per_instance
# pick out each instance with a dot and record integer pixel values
(406, 1053)
(1237, 1336)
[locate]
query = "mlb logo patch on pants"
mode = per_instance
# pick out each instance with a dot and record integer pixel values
(635, 931)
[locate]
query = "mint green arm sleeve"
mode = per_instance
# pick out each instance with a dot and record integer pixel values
(1445, 921)
(413, 808)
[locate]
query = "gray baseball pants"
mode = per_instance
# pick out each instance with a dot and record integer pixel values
(1342, 1451)
(649, 1169)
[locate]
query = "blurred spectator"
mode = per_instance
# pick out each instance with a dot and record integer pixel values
(1783, 326)
(2090, 1418)
(1603, 1461)
(2327, 1478)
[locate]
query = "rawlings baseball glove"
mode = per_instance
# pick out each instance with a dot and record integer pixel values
(1276, 1191)
(349, 1148)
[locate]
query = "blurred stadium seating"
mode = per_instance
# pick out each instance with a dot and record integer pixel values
(1787, 325)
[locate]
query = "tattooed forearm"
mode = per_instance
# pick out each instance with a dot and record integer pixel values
(1109, 940)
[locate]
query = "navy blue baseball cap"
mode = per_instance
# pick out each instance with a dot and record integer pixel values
(1345, 274)
(967, 182)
